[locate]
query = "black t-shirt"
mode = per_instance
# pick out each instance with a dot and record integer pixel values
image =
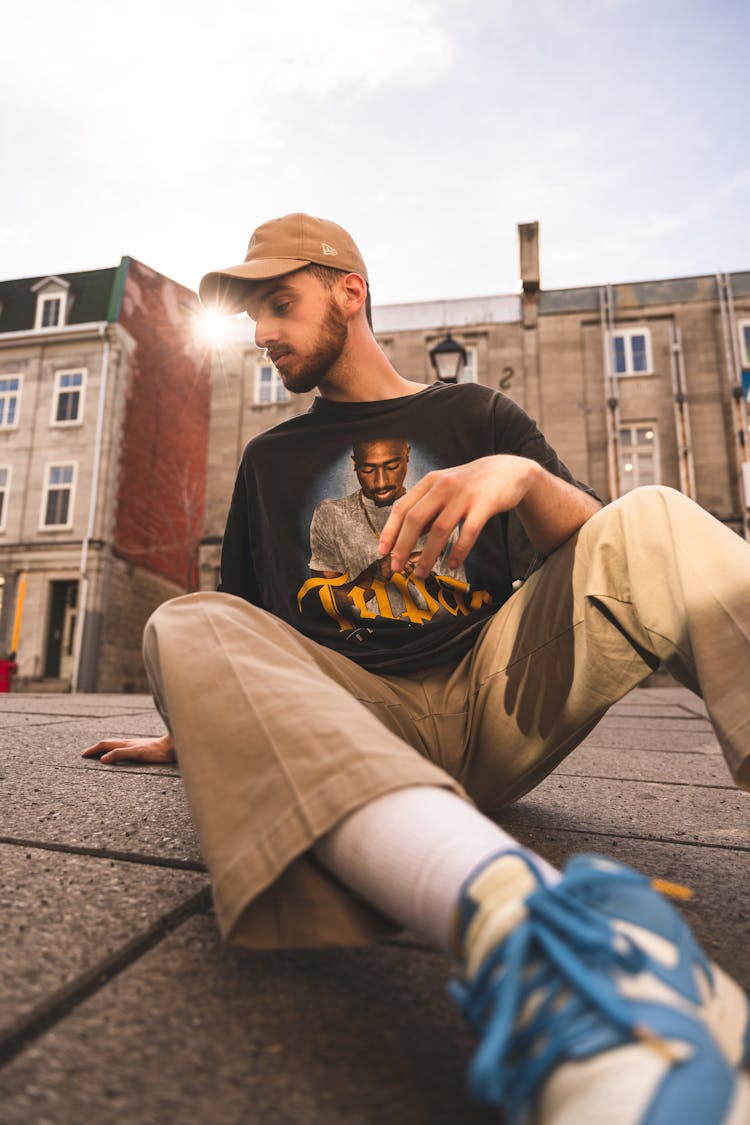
(312, 495)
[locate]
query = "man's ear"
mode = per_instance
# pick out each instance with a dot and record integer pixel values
(353, 293)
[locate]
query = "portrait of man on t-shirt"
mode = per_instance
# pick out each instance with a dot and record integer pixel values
(344, 533)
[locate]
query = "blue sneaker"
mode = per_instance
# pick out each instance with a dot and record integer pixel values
(594, 1003)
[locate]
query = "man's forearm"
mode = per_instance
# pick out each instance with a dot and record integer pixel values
(552, 509)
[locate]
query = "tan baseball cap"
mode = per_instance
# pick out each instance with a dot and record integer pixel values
(278, 247)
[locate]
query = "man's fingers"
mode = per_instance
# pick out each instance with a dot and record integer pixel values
(399, 510)
(413, 525)
(443, 526)
(111, 750)
(467, 538)
(115, 756)
(130, 752)
(100, 747)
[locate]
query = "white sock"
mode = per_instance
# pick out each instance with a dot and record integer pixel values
(409, 852)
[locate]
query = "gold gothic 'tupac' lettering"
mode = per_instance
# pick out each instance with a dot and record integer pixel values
(369, 603)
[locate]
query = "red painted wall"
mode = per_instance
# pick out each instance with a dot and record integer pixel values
(159, 515)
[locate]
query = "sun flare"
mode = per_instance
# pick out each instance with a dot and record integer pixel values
(213, 327)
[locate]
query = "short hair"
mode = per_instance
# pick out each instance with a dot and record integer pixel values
(359, 447)
(329, 276)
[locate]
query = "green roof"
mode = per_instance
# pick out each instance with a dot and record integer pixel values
(95, 295)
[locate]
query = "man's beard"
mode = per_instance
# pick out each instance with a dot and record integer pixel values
(325, 352)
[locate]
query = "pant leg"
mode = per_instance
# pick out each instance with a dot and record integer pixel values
(651, 579)
(278, 739)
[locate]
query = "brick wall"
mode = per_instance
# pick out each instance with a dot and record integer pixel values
(161, 492)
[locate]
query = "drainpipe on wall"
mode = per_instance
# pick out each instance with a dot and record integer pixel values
(611, 388)
(84, 587)
(739, 412)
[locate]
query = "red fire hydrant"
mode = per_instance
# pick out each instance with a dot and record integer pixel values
(7, 668)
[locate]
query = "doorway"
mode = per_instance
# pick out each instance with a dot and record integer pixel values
(61, 630)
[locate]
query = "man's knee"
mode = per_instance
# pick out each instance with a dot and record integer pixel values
(657, 498)
(205, 604)
(654, 510)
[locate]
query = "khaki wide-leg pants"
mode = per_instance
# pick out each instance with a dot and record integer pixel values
(278, 738)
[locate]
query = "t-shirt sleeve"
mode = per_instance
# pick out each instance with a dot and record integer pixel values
(515, 432)
(237, 570)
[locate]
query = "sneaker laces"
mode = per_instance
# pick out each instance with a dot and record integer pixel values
(548, 992)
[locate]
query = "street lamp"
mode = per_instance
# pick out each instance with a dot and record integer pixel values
(449, 359)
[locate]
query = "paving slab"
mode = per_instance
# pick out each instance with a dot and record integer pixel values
(644, 736)
(669, 726)
(355, 1036)
(662, 699)
(663, 812)
(60, 915)
(60, 705)
(686, 767)
(68, 732)
(719, 911)
(171, 1027)
(76, 702)
(100, 808)
(61, 742)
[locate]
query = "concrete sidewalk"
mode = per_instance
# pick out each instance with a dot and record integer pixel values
(118, 1004)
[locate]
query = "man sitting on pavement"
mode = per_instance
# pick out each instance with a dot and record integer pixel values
(337, 747)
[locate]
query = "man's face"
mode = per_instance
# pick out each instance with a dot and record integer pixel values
(299, 323)
(381, 469)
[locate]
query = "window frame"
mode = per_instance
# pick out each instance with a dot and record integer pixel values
(19, 393)
(48, 487)
(59, 391)
(743, 326)
(649, 424)
(627, 335)
(473, 368)
(5, 493)
(275, 385)
(50, 294)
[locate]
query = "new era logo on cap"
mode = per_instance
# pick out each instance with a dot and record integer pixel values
(327, 249)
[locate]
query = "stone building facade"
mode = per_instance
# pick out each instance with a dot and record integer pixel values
(633, 383)
(104, 411)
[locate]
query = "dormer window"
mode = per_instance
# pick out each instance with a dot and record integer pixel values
(50, 312)
(53, 297)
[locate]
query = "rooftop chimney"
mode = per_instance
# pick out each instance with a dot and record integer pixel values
(528, 254)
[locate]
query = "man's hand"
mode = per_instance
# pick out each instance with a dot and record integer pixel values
(550, 509)
(111, 750)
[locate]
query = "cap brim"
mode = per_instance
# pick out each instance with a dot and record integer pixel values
(224, 291)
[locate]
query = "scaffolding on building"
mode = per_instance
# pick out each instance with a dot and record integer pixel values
(681, 413)
(611, 388)
(733, 366)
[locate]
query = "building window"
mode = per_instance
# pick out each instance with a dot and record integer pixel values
(51, 308)
(4, 490)
(639, 455)
(268, 386)
(67, 403)
(631, 352)
(10, 400)
(744, 331)
(51, 312)
(57, 501)
(470, 372)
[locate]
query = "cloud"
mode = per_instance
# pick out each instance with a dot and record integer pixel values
(165, 82)
(204, 52)
(332, 45)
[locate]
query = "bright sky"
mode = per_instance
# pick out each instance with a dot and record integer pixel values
(168, 129)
